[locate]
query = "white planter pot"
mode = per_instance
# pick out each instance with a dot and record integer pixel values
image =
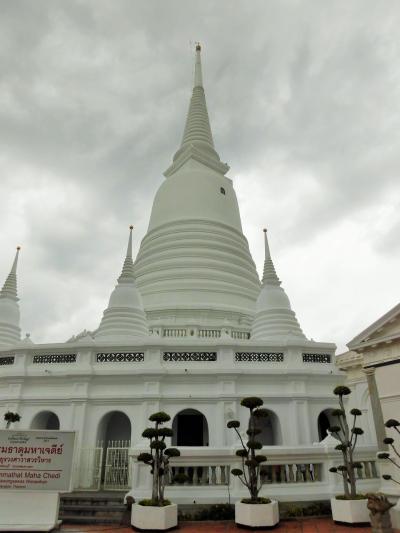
(350, 511)
(154, 518)
(253, 515)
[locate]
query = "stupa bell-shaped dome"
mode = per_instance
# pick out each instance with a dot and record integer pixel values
(194, 264)
(10, 332)
(274, 317)
(124, 317)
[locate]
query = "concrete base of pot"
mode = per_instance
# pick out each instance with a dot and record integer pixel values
(350, 511)
(257, 515)
(148, 518)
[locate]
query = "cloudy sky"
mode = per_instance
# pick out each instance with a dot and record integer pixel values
(304, 102)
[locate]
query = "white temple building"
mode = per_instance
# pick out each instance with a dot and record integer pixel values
(190, 330)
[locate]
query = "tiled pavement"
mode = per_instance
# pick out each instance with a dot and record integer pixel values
(318, 525)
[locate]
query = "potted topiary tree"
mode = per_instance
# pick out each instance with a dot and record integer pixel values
(254, 511)
(156, 513)
(348, 507)
(10, 418)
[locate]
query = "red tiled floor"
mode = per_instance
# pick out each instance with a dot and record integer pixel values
(318, 525)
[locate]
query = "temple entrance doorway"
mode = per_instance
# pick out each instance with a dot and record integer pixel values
(114, 441)
(190, 429)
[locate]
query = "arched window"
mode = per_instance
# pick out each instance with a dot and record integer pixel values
(270, 427)
(325, 421)
(45, 420)
(190, 429)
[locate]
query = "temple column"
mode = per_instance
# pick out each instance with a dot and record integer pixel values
(376, 407)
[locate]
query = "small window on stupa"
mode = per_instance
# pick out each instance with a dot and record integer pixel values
(222, 190)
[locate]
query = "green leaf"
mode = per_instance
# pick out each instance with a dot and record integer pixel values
(165, 432)
(241, 453)
(392, 423)
(254, 445)
(172, 452)
(341, 390)
(159, 417)
(145, 457)
(149, 433)
(158, 445)
(233, 424)
(251, 402)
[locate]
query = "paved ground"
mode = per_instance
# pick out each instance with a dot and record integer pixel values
(323, 525)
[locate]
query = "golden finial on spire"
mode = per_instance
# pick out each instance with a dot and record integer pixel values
(265, 230)
(131, 227)
(18, 248)
(198, 47)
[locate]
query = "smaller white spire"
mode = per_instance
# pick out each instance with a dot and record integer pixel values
(269, 273)
(9, 289)
(10, 332)
(124, 317)
(274, 318)
(127, 274)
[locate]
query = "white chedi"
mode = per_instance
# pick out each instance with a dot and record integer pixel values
(274, 318)
(10, 332)
(124, 317)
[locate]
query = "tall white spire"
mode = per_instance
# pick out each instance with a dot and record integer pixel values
(124, 317)
(10, 332)
(274, 318)
(197, 142)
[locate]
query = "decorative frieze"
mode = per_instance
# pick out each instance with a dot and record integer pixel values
(316, 358)
(55, 358)
(120, 357)
(263, 357)
(8, 360)
(190, 356)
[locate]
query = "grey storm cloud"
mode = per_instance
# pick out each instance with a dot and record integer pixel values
(304, 105)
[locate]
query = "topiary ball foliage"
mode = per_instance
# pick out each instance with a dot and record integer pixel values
(241, 453)
(333, 469)
(149, 433)
(355, 412)
(165, 432)
(145, 457)
(387, 477)
(252, 402)
(392, 423)
(233, 424)
(383, 455)
(388, 440)
(340, 447)
(357, 431)
(341, 390)
(172, 452)
(254, 445)
(158, 445)
(236, 472)
(260, 458)
(160, 417)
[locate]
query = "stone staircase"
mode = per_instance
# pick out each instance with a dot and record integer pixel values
(92, 507)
